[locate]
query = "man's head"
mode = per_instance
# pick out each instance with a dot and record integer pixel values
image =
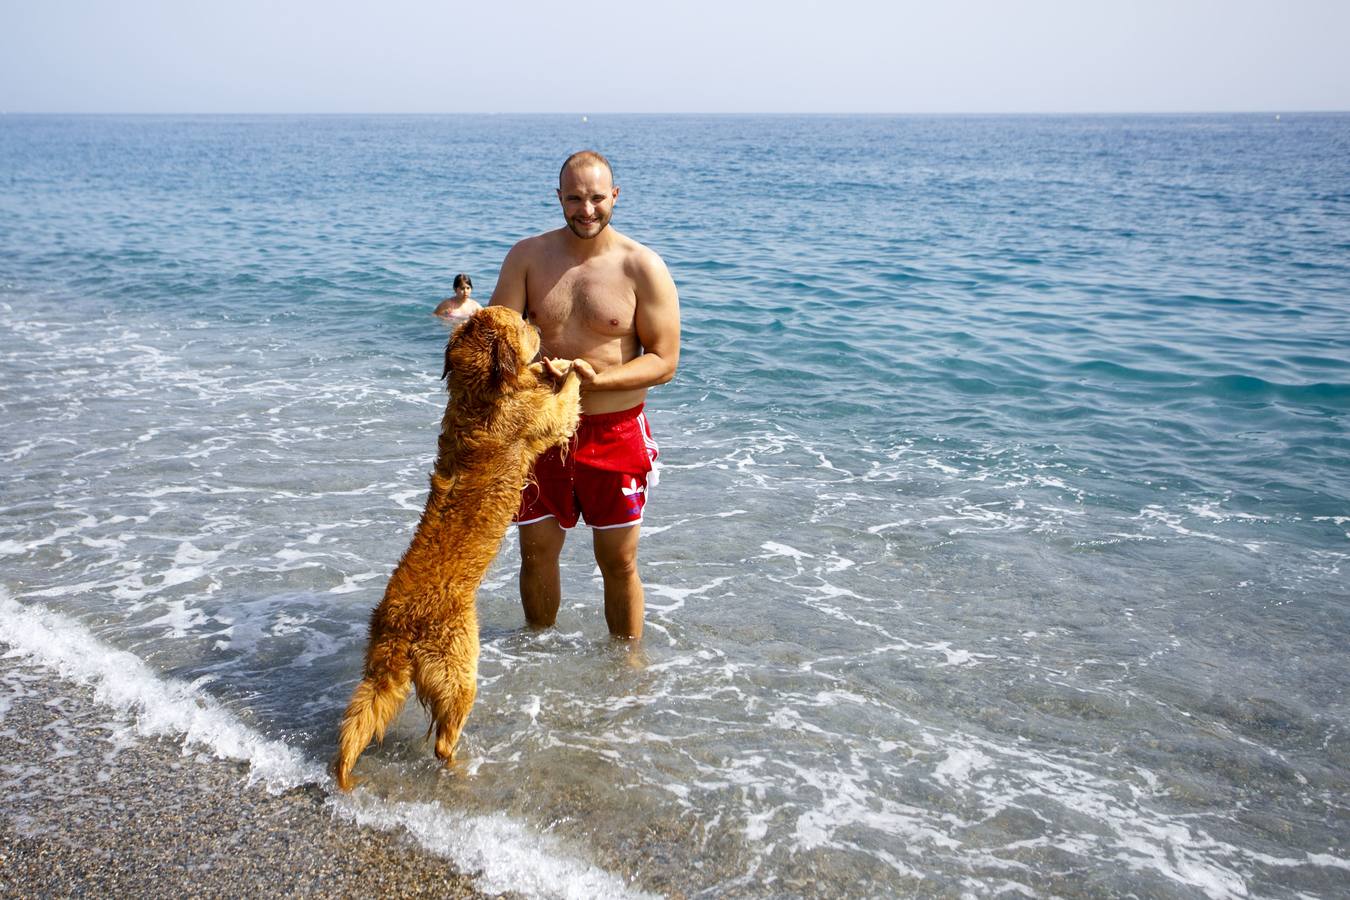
(587, 193)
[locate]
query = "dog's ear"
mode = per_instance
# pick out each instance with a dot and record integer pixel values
(468, 355)
(484, 354)
(505, 360)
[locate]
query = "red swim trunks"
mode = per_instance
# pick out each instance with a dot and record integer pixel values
(603, 478)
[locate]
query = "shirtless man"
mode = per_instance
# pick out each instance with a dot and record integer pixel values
(608, 304)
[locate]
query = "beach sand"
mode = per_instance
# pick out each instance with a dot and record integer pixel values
(87, 808)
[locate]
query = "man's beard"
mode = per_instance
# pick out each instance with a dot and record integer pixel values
(604, 223)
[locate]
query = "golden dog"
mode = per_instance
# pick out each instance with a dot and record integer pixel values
(503, 412)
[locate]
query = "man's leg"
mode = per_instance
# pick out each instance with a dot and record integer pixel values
(616, 554)
(541, 544)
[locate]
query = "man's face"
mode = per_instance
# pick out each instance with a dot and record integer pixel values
(587, 194)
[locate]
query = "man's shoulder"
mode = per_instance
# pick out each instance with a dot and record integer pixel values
(536, 244)
(631, 250)
(640, 259)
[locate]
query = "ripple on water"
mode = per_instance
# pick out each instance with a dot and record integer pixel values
(1001, 542)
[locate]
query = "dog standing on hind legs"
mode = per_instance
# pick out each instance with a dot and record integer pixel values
(504, 411)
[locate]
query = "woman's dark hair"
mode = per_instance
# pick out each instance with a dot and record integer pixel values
(462, 280)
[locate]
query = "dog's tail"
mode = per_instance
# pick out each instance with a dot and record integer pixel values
(375, 702)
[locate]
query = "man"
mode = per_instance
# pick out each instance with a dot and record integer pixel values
(608, 304)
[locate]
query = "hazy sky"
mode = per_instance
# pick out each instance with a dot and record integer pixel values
(698, 56)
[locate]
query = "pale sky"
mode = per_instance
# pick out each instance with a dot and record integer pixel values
(787, 56)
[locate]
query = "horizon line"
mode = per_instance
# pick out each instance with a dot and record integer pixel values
(584, 115)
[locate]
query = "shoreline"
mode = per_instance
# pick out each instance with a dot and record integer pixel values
(87, 806)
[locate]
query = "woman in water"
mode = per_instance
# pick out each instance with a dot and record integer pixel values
(459, 306)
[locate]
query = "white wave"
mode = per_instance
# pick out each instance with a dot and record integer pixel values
(956, 657)
(505, 854)
(942, 467)
(959, 764)
(1212, 509)
(177, 620)
(776, 549)
(160, 707)
(677, 595)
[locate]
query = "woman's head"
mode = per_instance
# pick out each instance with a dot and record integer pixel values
(463, 282)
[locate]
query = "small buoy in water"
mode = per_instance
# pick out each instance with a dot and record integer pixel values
(1277, 117)
(584, 119)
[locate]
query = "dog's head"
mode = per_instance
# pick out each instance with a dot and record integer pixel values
(490, 351)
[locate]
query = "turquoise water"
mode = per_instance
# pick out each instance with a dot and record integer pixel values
(999, 545)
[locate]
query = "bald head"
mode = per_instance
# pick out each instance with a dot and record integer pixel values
(582, 159)
(587, 193)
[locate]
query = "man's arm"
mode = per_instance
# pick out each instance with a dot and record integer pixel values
(510, 289)
(658, 331)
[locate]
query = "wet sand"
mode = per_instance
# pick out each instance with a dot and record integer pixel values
(88, 809)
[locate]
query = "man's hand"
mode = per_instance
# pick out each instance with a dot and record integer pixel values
(558, 369)
(584, 371)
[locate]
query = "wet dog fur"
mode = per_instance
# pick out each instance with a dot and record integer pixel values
(503, 412)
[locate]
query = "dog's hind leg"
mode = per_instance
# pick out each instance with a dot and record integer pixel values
(447, 683)
(375, 702)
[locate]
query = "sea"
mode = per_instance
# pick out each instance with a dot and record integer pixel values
(1001, 545)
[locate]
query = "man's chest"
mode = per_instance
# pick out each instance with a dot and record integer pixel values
(598, 298)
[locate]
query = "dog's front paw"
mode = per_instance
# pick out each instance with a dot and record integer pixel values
(553, 372)
(539, 372)
(569, 393)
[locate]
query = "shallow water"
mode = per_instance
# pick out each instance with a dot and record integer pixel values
(999, 541)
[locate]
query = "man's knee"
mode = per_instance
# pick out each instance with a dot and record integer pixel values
(539, 557)
(541, 544)
(540, 593)
(616, 555)
(624, 567)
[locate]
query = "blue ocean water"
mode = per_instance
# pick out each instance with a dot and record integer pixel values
(999, 545)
